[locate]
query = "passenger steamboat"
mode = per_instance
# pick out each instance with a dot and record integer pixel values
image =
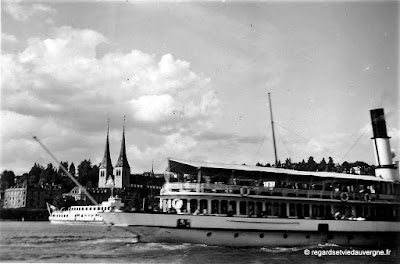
(85, 214)
(239, 205)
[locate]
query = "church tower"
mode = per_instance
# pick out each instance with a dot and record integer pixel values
(122, 170)
(106, 168)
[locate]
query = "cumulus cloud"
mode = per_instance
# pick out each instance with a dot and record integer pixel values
(21, 11)
(61, 83)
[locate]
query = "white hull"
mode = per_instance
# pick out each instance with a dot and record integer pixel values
(81, 222)
(88, 214)
(245, 231)
(70, 218)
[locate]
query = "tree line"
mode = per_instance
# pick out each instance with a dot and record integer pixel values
(87, 174)
(330, 166)
(40, 176)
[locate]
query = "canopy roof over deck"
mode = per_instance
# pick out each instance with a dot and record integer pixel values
(186, 166)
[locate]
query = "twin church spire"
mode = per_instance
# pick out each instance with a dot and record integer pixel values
(119, 174)
(122, 160)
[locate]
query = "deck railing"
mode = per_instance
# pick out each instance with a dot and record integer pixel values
(269, 191)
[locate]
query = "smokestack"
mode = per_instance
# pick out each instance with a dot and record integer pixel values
(385, 168)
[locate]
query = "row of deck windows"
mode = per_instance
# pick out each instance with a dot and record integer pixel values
(346, 186)
(90, 208)
(82, 215)
(280, 209)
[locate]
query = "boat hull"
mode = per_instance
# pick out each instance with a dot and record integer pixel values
(254, 232)
(263, 238)
(73, 222)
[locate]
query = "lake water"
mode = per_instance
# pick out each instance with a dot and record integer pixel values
(45, 242)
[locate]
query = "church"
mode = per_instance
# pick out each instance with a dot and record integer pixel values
(117, 176)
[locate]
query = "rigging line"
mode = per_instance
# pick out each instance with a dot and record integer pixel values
(259, 145)
(66, 171)
(391, 129)
(355, 143)
(308, 140)
(284, 144)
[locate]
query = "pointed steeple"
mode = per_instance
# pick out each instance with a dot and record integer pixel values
(122, 160)
(106, 163)
(152, 171)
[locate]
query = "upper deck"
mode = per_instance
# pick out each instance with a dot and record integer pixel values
(201, 178)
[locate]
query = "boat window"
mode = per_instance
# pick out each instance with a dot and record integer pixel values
(283, 210)
(232, 208)
(383, 188)
(389, 213)
(314, 210)
(224, 207)
(214, 206)
(321, 210)
(268, 207)
(242, 208)
(258, 208)
(251, 208)
(306, 210)
(359, 211)
(184, 205)
(193, 205)
(328, 214)
(347, 211)
(299, 210)
(397, 213)
(203, 207)
(372, 212)
(292, 209)
(390, 188)
(275, 209)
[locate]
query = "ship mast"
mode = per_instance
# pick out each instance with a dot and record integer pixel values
(273, 130)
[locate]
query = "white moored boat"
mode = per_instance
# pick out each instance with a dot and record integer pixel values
(85, 214)
(238, 205)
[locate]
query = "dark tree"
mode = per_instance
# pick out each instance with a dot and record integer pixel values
(7, 179)
(288, 163)
(61, 172)
(65, 202)
(345, 167)
(47, 175)
(302, 166)
(83, 171)
(34, 174)
(72, 169)
(22, 181)
(311, 164)
(93, 176)
(322, 166)
(330, 165)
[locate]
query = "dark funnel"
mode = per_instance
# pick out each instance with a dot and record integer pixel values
(378, 123)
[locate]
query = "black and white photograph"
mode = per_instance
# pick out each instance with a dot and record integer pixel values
(197, 132)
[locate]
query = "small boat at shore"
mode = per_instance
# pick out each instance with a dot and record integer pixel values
(241, 206)
(85, 214)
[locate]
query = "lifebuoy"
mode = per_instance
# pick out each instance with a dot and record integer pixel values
(177, 203)
(244, 191)
(339, 216)
(344, 196)
(367, 197)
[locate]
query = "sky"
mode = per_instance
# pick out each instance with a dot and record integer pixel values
(192, 79)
